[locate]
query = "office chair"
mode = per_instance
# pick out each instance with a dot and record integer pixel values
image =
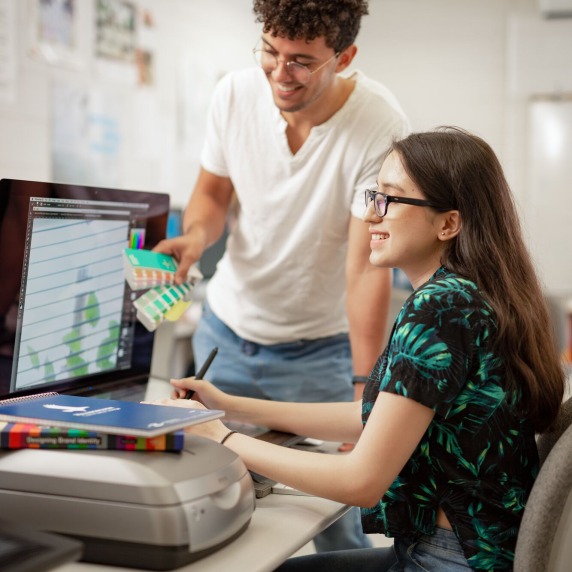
(546, 441)
(544, 541)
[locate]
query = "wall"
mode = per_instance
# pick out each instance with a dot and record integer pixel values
(473, 63)
(445, 60)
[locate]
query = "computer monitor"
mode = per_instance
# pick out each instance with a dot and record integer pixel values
(67, 321)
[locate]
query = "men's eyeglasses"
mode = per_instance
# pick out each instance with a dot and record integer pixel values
(300, 72)
(381, 201)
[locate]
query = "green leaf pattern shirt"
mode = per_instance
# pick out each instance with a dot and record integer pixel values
(478, 458)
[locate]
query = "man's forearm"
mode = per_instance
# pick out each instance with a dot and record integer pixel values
(368, 303)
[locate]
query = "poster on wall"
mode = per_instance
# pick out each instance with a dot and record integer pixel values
(53, 31)
(87, 134)
(7, 51)
(144, 62)
(146, 46)
(115, 33)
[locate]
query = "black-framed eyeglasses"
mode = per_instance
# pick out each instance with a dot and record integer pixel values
(381, 201)
(269, 61)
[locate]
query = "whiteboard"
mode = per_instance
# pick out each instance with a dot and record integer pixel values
(548, 193)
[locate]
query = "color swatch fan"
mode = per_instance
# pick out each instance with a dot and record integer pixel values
(145, 269)
(155, 272)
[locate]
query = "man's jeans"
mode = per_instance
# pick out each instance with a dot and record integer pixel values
(305, 370)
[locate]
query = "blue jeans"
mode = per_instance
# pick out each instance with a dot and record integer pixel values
(304, 370)
(301, 371)
(440, 552)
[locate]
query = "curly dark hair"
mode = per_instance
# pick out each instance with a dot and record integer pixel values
(338, 21)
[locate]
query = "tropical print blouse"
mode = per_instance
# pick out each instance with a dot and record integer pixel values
(478, 459)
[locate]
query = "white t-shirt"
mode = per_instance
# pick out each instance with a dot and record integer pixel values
(282, 277)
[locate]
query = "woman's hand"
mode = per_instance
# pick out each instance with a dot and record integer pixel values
(202, 391)
(205, 396)
(214, 430)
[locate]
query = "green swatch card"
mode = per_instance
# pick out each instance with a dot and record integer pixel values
(139, 258)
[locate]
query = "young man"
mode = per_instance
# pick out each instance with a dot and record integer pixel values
(295, 306)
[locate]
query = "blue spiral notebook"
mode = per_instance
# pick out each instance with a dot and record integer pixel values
(104, 415)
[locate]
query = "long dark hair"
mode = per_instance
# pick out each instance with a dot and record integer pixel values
(458, 170)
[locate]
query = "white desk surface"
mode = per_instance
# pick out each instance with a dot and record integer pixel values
(280, 525)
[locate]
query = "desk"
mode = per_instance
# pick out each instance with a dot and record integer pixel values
(280, 525)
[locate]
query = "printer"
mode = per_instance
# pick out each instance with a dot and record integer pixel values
(151, 510)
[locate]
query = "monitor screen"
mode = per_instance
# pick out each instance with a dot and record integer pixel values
(67, 321)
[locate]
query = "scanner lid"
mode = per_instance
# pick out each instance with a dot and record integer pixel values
(151, 478)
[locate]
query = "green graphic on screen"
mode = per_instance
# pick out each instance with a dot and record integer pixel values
(74, 299)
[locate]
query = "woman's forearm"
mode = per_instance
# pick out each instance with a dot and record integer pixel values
(328, 421)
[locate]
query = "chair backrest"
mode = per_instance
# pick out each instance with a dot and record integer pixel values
(545, 538)
(546, 441)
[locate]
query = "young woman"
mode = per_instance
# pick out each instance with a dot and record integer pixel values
(445, 455)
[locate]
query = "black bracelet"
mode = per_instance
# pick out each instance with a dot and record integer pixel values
(226, 437)
(359, 379)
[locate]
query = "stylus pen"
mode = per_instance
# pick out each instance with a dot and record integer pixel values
(201, 373)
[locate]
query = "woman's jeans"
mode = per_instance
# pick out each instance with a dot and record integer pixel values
(304, 370)
(440, 552)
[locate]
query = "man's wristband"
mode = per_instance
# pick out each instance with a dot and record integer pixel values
(359, 379)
